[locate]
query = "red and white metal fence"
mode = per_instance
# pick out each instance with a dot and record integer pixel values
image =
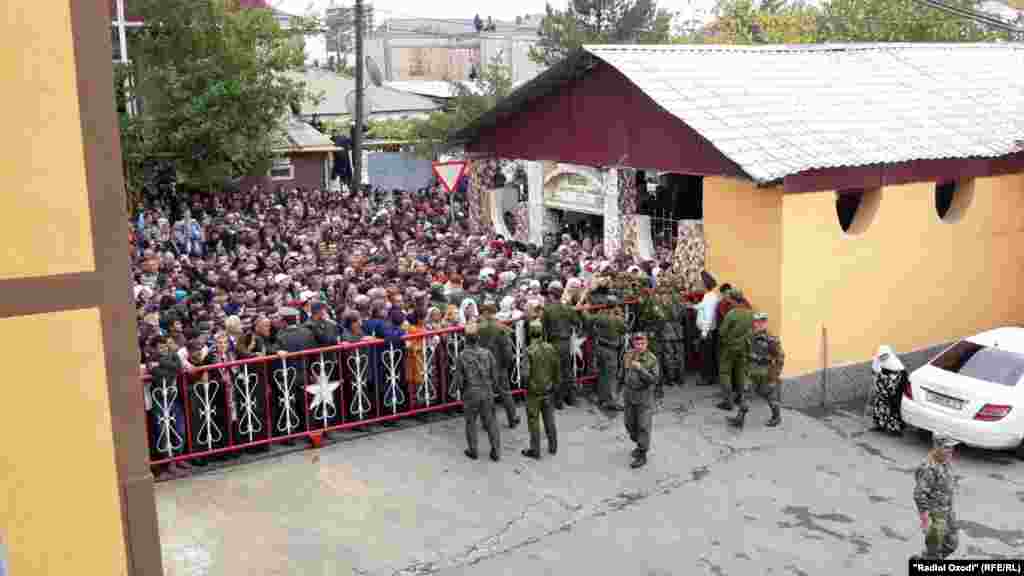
(231, 406)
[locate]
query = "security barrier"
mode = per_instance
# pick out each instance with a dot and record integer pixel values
(220, 408)
(232, 406)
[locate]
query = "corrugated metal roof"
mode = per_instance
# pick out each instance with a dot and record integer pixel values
(335, 88)
(296, 135)
(780, 110)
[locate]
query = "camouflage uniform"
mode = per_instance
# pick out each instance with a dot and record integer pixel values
(475, 372)
(559, 320)
(495, 338)
(607, 329)
(543, 374)
(934, 487)
(765, 367)
(734, 335)
(641, 379)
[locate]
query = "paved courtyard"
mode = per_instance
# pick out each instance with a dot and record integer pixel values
(820, 493)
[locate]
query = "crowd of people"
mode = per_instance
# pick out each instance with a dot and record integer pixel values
(244, 274)
(240, 275)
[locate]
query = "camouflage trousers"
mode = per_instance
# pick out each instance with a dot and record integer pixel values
(763, 384)
(732, 373)
(942, 538)
(672, 359)
(608, 364)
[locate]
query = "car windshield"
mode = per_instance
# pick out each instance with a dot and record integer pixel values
(982, 362)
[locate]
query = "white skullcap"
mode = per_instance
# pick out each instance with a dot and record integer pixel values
(281, 278)
(487, 273)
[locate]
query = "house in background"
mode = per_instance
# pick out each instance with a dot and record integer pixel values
(303, 159)
(380, 102)
(433, 49)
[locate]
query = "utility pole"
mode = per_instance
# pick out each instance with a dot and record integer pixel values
(357, 137)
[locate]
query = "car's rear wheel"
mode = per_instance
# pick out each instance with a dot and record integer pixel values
(923, 435)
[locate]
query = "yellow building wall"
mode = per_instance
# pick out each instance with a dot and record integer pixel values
(60, 508)
(743, 230)
(908, 280)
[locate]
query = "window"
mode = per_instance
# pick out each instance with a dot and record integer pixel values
(856, 208)
(952, 199)
(282, 169)
(982, 363)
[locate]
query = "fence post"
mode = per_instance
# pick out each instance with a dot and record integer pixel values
(824, 366)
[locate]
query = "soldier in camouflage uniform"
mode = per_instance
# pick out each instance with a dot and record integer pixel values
(475, 373)
(558, 320)
(765, 366)
(607, 328)
(935, 485)
(642, 374)
(673, 335)
(498, 340)
(543, 374)
(734, 337)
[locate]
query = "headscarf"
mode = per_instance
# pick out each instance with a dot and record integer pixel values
(886, 358)
(467, 304)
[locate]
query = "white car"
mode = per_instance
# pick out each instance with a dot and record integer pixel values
(972, 392)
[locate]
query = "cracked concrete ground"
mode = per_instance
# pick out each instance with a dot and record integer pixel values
(820, 493)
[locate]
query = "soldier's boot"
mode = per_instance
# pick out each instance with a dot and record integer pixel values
(738, 420)
(471, 454)
(495, 455)
(513, 419)
(639, 460)
(534, 450)
(552, 445)
(570, 395)
(776, 417)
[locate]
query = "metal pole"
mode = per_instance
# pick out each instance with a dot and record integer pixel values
(122, 40)
(357, 140)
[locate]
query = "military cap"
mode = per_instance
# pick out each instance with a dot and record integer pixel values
(288, 312)
(761, 316)
(944, 441)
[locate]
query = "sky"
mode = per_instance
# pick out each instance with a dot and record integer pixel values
(462, 9)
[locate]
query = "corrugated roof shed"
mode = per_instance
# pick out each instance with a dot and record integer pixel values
(782, 110)
(335, 88)
(296, 135)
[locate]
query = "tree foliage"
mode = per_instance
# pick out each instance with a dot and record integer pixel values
(599, 22)
(789, 22)
(899, 21)
(211, 78)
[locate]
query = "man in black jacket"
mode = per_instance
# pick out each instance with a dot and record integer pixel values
(288, 416)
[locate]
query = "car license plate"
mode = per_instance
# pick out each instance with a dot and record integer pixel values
(946, 401)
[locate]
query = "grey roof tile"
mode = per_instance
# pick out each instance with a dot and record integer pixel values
(778, 110)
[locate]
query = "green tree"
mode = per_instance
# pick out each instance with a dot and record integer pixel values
(599, 22)
(213, 86)
(898, 21)
(781, 22)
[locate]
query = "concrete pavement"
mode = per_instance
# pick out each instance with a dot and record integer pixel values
(819, 493)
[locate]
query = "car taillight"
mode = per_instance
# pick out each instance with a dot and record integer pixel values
(907, 390)
(992, 412)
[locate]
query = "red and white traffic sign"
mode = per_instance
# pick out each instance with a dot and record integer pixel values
(449, 173)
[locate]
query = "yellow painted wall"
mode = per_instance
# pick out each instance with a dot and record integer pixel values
(59, 501)
(60, 508)
(908, 280)
(43, 155)
(743, 229)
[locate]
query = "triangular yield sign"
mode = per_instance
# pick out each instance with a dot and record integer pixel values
(449, 173)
